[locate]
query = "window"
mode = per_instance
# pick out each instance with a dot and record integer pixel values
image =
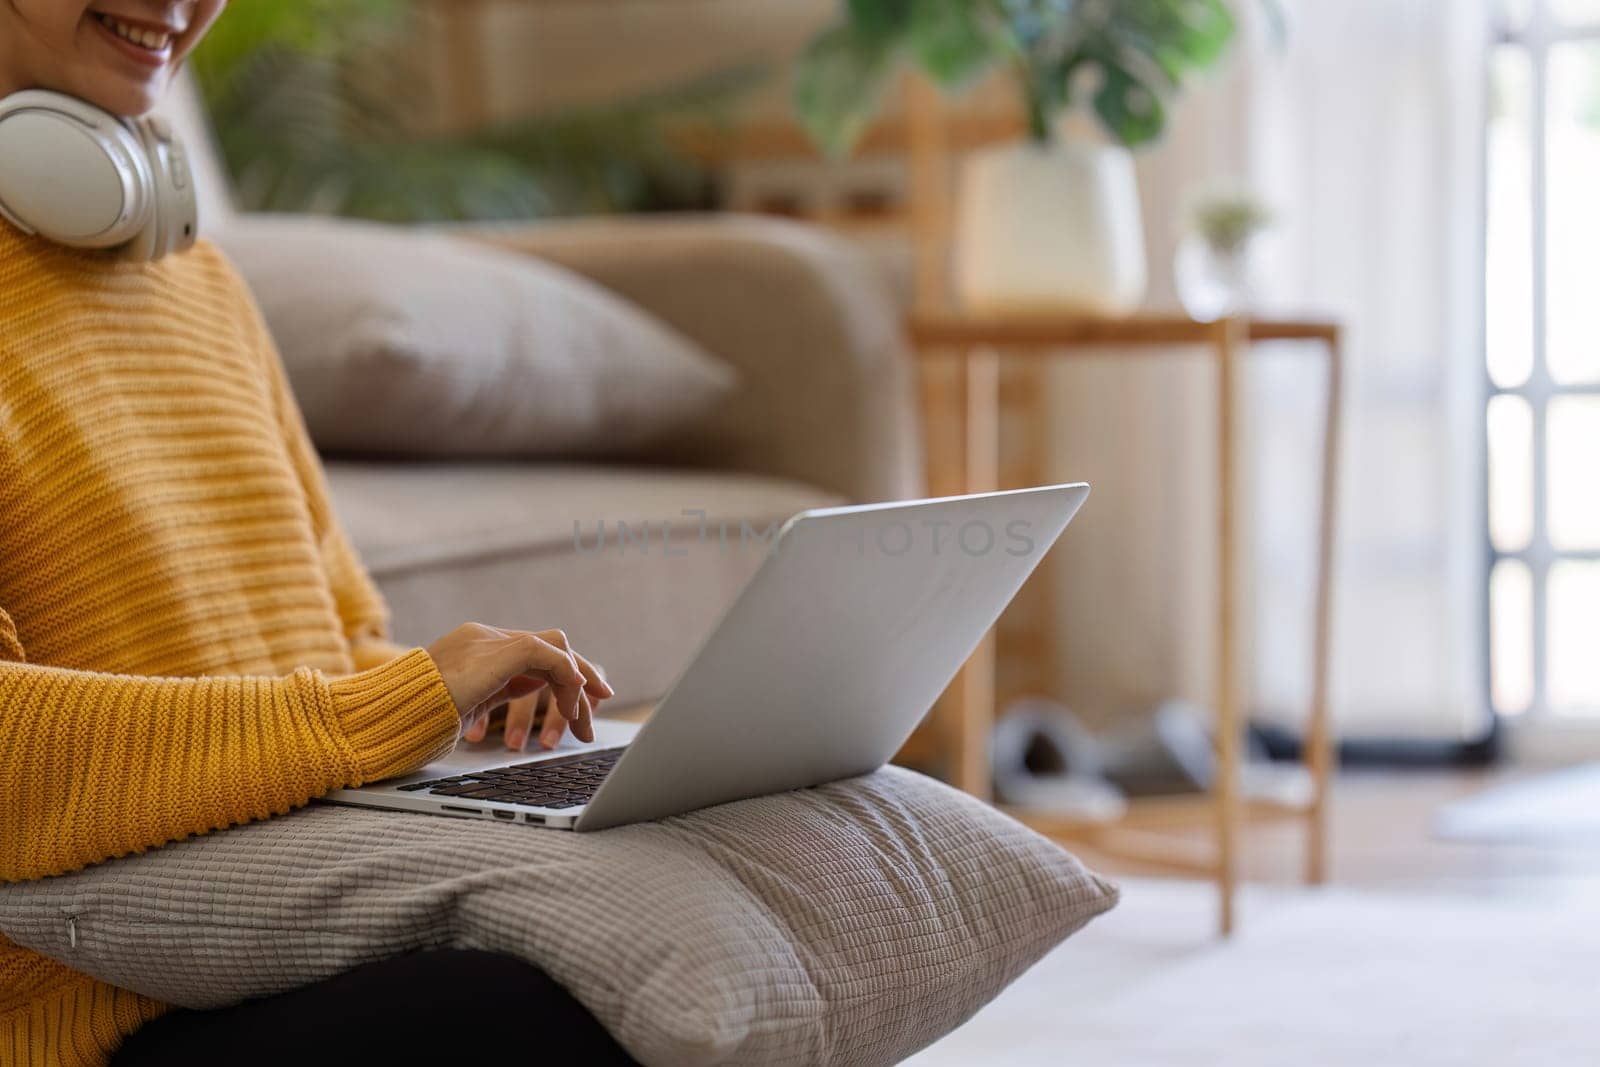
(1542, 347)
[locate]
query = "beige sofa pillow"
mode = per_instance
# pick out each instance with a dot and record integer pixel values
(403, 342)
(849, 924)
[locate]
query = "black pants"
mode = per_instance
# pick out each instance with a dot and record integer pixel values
(438, 1007)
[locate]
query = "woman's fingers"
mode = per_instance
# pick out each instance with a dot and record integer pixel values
(554, 661)
(582, 726)
(535, 713)
(547, 654)
(576, 706)
(520, 686)
(485, 667)
(583, 729)
(487, 720)
(553, 727)
(567, 701)
(532, 713)
(477, 662)
(521, 716)
(594, 678)
(598, 688)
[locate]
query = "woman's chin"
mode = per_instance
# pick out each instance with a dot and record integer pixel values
(125, 97)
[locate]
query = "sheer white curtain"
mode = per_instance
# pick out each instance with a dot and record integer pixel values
(1369, 133)
(1364, 131)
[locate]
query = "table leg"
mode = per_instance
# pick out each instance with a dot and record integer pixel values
(974, 690)
(929, 159)
(1320, 753)
(461, 24)
(1227, 338)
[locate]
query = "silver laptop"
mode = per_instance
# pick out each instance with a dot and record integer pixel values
(854, 623)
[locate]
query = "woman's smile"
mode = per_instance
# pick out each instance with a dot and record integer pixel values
(144, 42)
(116, 54)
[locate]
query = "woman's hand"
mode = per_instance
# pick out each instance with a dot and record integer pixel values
(525, 718)
(484, 667)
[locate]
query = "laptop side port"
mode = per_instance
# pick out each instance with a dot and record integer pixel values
(537, 820)
(505, 814)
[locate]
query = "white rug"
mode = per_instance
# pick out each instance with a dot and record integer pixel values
(1315, 977)
(1556, 807)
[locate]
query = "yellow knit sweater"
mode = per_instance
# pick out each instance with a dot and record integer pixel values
(180, 615)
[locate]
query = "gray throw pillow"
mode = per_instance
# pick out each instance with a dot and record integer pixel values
(849, 924)
(401, 341)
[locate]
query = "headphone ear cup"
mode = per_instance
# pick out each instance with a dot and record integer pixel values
(174, 221)
(70, 172)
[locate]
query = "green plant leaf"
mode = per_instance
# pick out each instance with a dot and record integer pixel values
(308, 27)
(1142, 50)
(952, 40)
(1047, 89)
(323, 118)
(838, 82)
(1200, 29)
(1175, 36)
(1129, 108)
(880, 20)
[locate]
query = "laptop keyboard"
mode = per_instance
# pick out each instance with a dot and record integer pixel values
(565, 782)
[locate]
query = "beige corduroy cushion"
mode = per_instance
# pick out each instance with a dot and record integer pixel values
(408, 343)
(849, 924)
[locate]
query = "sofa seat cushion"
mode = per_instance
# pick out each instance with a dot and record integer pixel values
(853, 923)
(635, 564)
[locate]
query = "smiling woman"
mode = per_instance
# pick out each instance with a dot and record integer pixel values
(216, 671)
(118, 55)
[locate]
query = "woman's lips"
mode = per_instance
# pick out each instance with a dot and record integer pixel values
(146, 44)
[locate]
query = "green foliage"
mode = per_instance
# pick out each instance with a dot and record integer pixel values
(840, 80)
(1228, 220)
(951, 40)
(315, 106)
(312, 28)
(1136, 54)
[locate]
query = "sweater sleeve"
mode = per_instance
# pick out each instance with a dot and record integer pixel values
(96, 765)
(363, 615)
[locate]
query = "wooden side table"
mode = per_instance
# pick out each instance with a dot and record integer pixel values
(978, 343)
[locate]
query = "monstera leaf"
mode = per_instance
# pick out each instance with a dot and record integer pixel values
(839, 81)
(1132, 55)
(953, 40)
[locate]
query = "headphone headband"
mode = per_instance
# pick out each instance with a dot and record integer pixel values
(84, 178)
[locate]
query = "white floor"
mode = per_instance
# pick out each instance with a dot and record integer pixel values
(1315, 977)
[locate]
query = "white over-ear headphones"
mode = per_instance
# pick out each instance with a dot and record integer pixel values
(85, 178)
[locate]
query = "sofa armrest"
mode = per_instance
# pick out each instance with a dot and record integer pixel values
(825, 391)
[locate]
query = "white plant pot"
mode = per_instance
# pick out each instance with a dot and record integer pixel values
(1212, 283)
(1049, 229)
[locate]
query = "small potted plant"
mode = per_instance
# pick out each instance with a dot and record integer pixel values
(1051, 224)
(1212, 265)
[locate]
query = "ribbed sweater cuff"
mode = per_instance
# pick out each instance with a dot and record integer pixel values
(396, 716)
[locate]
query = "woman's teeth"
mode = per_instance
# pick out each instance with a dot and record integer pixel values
(155, 42)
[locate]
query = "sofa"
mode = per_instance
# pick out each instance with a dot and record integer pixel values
(821, 412)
